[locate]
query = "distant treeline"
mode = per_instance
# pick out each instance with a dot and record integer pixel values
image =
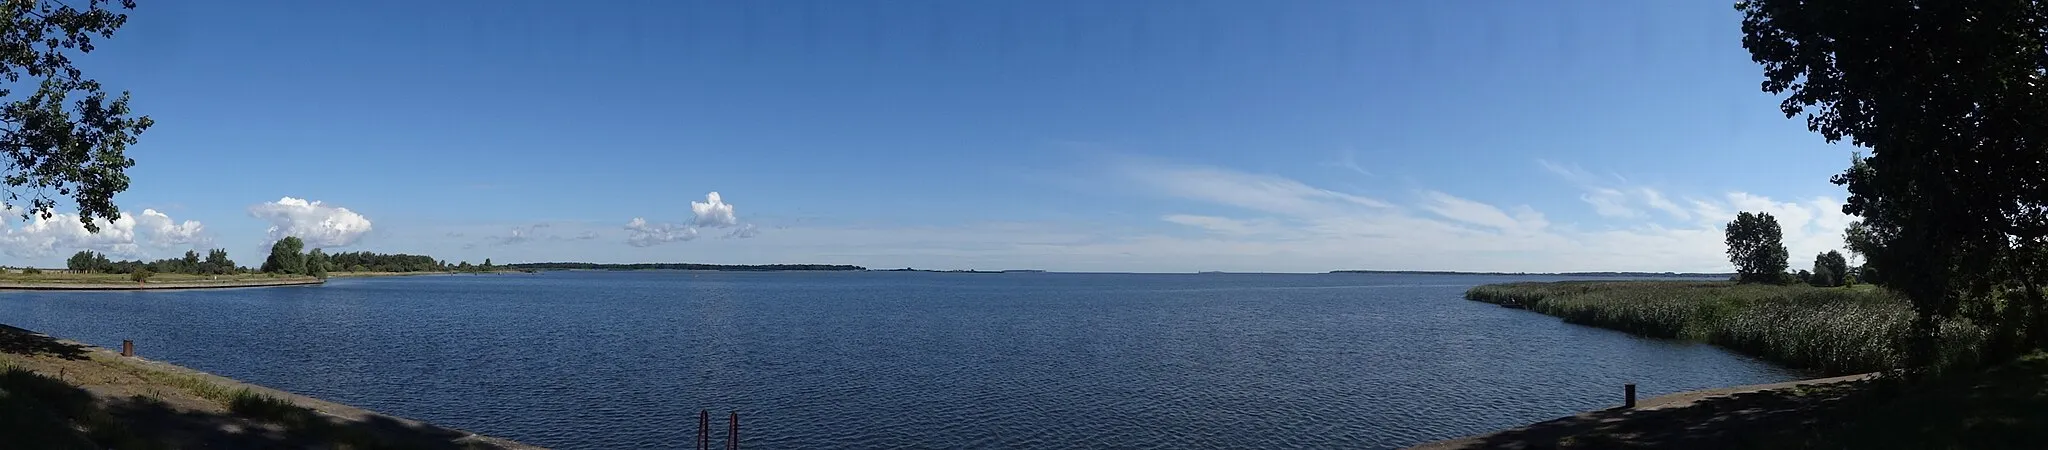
(382, 262)
(285, 259)
(681, 266)
(1579, 274)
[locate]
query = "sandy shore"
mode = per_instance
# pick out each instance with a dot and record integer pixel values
(1693, 412)
(16, 286)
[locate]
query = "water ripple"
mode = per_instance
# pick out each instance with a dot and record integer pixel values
(907, 360)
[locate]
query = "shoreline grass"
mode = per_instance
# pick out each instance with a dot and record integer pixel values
(1830, 331)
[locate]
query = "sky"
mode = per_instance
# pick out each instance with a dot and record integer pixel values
(1141, 136)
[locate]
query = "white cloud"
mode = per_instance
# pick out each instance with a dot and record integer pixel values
(1294, 226)
(712, 212)
(1656, 200)
(320, 225)
(1467, 211)
(640, 233)
(125, 238)
(744, 231)
(1265, 193)
(1611, 196)
(1610, 203)
(167, 233)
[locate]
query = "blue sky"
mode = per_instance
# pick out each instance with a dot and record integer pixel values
(1099, 136)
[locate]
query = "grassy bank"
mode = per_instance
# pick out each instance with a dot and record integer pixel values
(59, 395)
(1832, 331)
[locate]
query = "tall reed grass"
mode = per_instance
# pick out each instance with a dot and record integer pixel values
(1832, 331)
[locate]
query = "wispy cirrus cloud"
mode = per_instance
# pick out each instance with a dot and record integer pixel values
(1438, 229)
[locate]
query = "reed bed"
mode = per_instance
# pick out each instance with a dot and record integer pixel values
(1831, 331)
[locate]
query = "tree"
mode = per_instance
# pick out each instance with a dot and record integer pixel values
(285, 257)
(1950, 100)
(1803, 276)
(1822, 277)
(1835, 264)
(316, 263)
(1757, 247)
(487, 265)
(66, 136)
(83, 261)
(141, 275)
(217, 262)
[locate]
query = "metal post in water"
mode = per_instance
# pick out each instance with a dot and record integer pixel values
(732, 431)
(704, 430)
(1628, 395)
(127, 347)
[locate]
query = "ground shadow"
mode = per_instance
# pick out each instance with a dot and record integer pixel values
(28, 343)
(1746, 420)
(2002, 408)
(45, 413)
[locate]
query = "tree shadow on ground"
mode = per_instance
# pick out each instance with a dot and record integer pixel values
(1746, 420)
(42, 412)
(28, 343)
(2001, 408)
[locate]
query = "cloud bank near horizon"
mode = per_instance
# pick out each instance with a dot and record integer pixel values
(713, 212)
(131, 236)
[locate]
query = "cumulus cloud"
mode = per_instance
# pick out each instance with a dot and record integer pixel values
(713, 212)
(640, 233)
(126, 237)
(165, 232)
(319, 224)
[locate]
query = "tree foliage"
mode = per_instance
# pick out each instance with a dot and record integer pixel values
(1756, 245)
(381, 262)
(66, 136)
(1951, 100)
(1834, 265)
(316, 263)
(88, 261)
(285, 257)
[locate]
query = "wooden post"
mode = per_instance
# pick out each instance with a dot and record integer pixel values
(732, 431)
(127, 347)
(1628, 395)
(704, 430)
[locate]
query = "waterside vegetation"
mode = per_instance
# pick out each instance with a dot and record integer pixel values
(1828, 331)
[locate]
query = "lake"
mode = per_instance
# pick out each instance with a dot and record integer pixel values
(906, 360)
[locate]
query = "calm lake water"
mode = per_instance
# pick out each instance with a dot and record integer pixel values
(906, 360)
